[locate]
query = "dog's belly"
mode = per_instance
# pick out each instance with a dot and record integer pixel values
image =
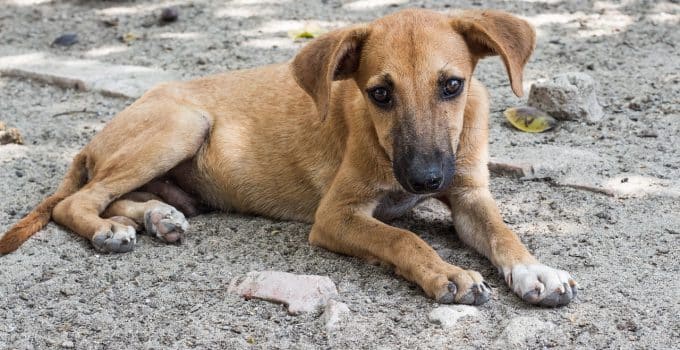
(266, 171)
(270, 193)
(395, 204)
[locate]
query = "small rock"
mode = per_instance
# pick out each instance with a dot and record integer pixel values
(635, 106)
(301, 293)
(647, 133)
(627, 325)
(169, 14)
(68, 344)
(67, 39)
(504, 168)
(603, 215)
(111, 22)
(662, 251)
(519, 329)
(67, 291)
(448, 316)
(334, 314)
(128, 38)
(10, 135)
(568, 96)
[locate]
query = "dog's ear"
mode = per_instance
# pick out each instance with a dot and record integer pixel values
(498, 33)
(333, 56)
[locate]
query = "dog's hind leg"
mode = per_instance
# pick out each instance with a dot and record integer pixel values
(142, 143)
(173, 195)
(145, 210)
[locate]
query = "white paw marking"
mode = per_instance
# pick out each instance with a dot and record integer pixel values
(115, 239)
(128, 234)
(540, 284)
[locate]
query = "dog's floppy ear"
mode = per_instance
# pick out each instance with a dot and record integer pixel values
(333, 56)
(498, 33)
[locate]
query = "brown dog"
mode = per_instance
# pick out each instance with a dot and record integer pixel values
(394, 117)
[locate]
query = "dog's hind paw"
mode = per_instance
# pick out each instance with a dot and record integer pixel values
(466, 287)
(166, 223)
(115, 239)
(541, 285)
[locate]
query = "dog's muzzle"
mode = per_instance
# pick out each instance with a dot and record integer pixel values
(423, 173)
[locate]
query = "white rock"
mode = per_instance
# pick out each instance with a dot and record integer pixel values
(334, 314)
(631, 185)
(448, 316)
(521, 328)
(89, 75)
(301, 293)
(568, 96)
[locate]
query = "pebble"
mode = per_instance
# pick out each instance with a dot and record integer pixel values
(169, 14)
(300, 293)
(568, 96)
(67, 39)
(448, 316)
(647, 133)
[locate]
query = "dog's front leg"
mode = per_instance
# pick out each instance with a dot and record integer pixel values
(479, 224)
(478, 221)
(344, 224)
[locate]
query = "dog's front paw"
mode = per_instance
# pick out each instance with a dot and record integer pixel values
(541, 285)
(165, 222)
(116, 238)
(459, 286)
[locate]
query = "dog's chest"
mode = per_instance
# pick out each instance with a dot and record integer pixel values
(395, 204)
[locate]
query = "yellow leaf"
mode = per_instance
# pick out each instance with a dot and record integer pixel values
(309, 31)
(529, 119)
(128, 38)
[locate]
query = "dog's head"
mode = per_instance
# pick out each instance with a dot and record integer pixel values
(414, 70)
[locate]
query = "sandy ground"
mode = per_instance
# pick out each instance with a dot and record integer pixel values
(56, 291)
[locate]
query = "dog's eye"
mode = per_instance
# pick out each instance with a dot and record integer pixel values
(381, 96)
(452, 88)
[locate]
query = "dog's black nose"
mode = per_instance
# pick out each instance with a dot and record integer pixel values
(427, 181)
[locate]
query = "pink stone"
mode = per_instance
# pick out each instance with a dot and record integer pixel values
(300, 293)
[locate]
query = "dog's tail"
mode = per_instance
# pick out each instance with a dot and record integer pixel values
(41, 215)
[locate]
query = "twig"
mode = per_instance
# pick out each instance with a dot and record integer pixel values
(584, 188)
(74, 112)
